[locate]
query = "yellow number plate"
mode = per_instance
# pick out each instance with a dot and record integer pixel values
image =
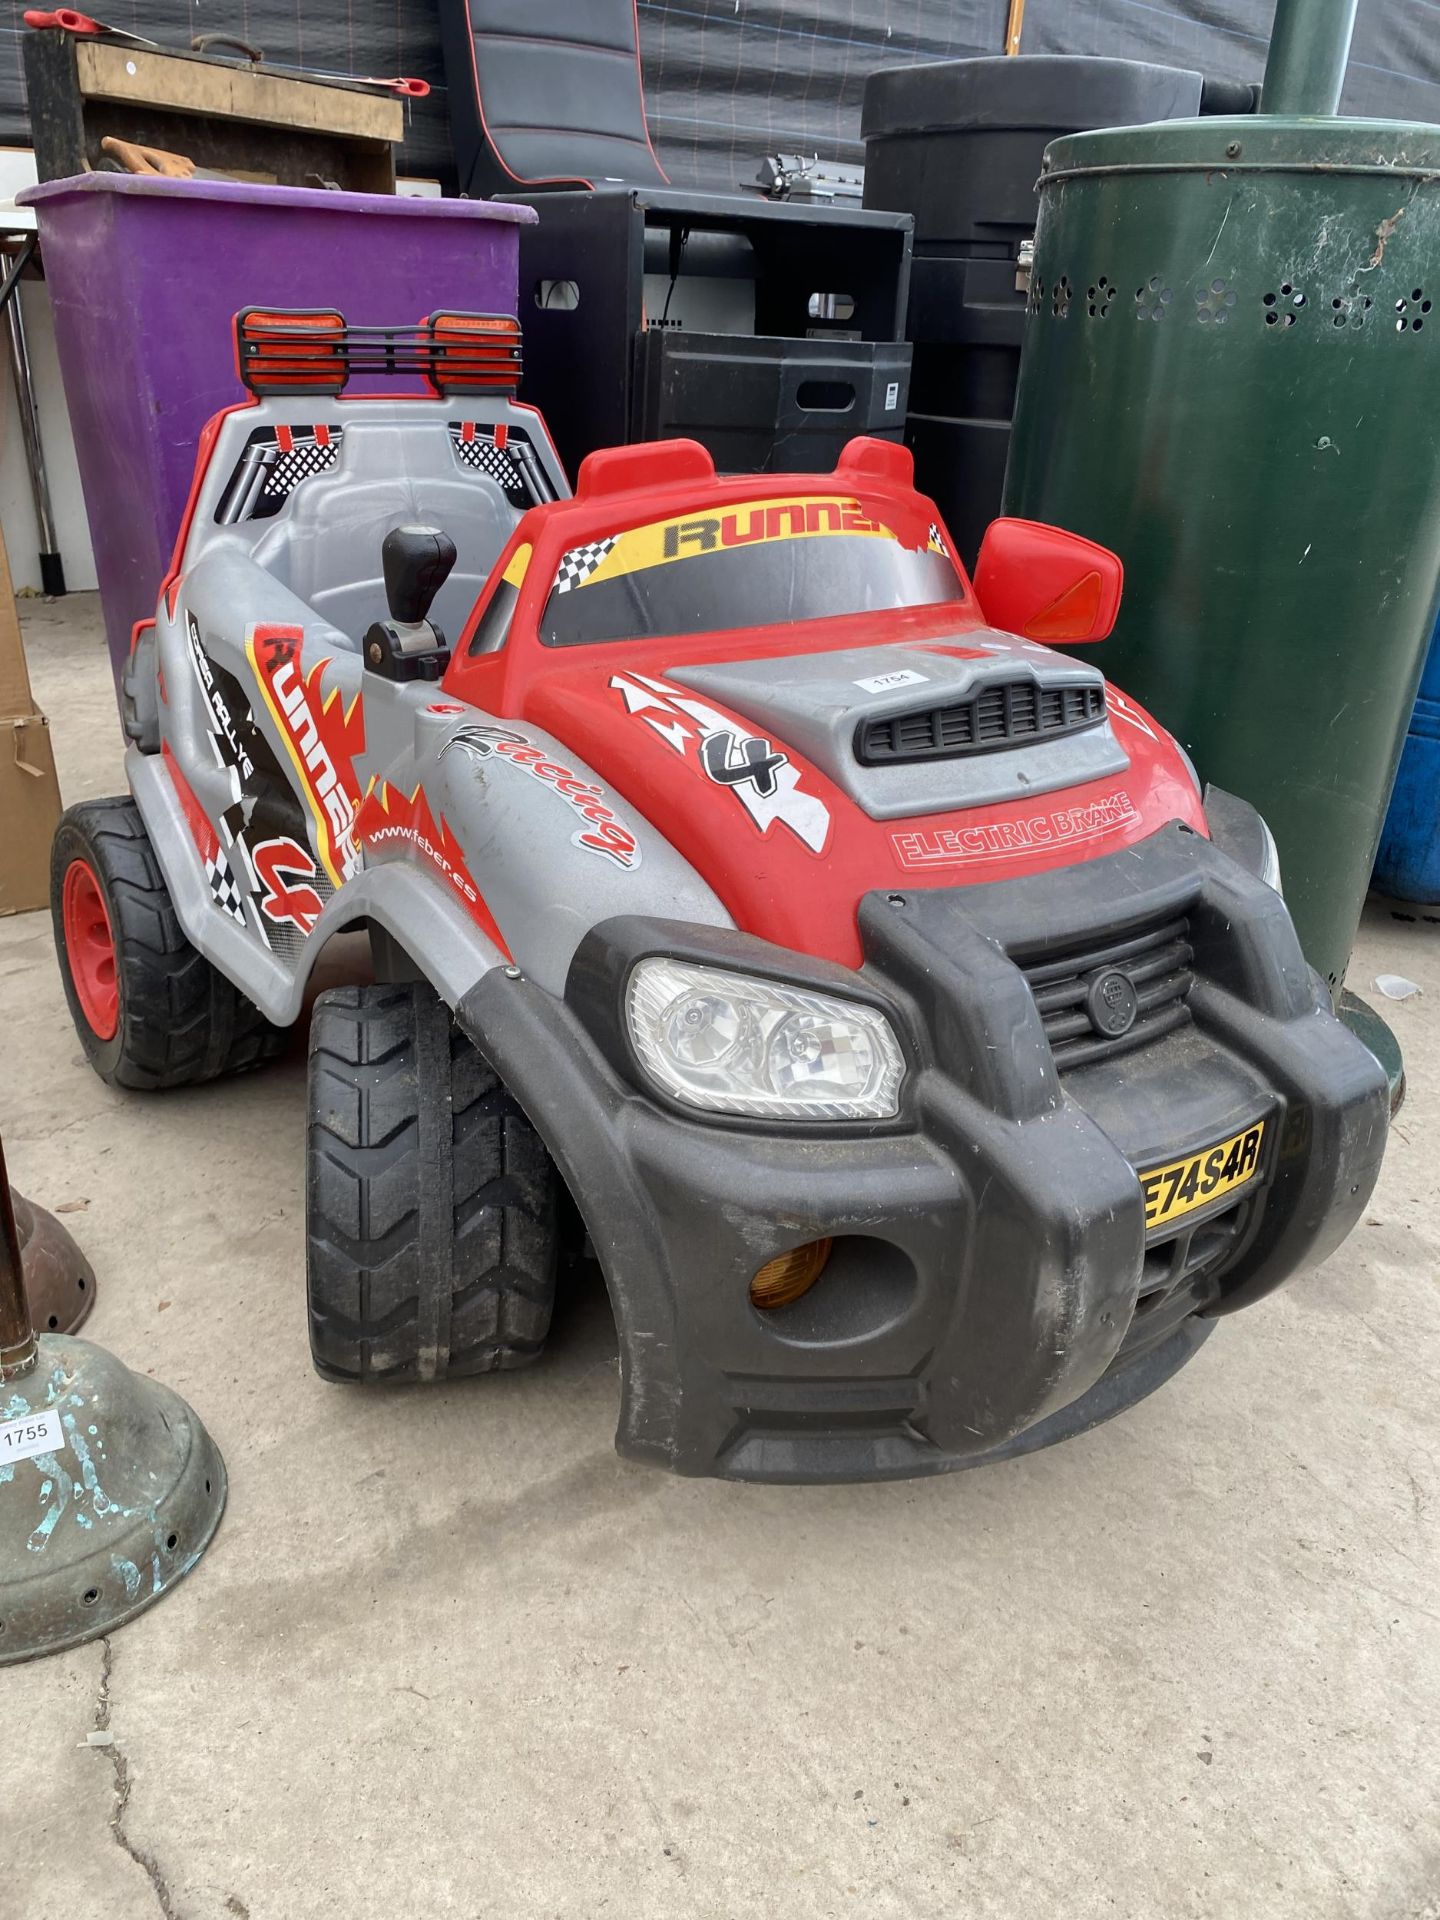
(1185, 1185)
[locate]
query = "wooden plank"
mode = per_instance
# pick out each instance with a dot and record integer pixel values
(216, 88)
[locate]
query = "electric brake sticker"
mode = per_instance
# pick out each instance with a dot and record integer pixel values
(322, 737)
(602, 832)
(947, 846)
(759, 774)
(753, 523)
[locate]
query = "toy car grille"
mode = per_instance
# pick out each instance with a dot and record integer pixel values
(997, 716)
(1156, 962)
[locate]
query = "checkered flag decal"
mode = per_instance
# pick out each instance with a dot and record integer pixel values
(485, 457)
(305, 457)
(223, 889)
(579, 563)
(937, 540)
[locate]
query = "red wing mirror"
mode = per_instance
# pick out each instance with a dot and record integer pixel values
(1046, 584)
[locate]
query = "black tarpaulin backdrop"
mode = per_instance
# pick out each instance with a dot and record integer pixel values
(728, 81)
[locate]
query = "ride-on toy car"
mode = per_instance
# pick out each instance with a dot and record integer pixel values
(929, 1062)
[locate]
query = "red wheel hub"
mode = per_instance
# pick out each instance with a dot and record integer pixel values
(90, 949)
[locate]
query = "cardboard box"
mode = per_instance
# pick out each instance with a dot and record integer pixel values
(29, 791)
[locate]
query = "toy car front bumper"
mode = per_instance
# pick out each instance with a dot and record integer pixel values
(991, 1274)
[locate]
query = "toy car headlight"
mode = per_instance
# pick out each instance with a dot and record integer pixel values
(729, 1043)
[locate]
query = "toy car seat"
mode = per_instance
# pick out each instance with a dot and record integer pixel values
(326, 547)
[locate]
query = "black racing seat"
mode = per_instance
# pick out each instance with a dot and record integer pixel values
(546, 93)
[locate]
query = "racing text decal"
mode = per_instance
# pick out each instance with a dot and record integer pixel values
(759, 774)
(603, 832)
(943, 846)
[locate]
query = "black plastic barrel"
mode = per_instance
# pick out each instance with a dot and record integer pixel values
(958, 144)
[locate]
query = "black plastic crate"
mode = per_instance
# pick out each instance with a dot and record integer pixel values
(767, 405)
(655, 312)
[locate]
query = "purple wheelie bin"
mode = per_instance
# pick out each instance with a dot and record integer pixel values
(146, 276)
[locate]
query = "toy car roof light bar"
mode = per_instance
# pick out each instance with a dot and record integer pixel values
(297, 351)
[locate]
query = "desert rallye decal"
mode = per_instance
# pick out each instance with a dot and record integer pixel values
(322, 737)
(759, 774)
(944, 846)
(603, 832)
(239, 753)
(224, 729)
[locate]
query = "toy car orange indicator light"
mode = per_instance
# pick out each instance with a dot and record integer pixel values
(474, 352)
(790, 1275)
(298, 351)
(1073, 616)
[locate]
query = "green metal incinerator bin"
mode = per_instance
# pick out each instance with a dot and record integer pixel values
(1231, 376)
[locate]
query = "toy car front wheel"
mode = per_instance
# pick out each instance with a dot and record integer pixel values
(149, 1008)
(431, 1201)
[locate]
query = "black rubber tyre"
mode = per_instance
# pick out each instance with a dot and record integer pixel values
(178, 1019)
(431, 1202)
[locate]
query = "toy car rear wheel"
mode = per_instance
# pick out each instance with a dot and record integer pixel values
(431, 1202)
(150, 1010)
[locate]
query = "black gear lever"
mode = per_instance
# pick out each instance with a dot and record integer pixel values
(416, 562)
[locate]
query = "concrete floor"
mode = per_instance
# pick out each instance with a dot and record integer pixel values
(449, 1655)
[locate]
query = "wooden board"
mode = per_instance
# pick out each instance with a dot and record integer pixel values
(220, 89)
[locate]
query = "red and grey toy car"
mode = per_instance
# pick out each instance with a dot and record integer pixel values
(930, 1063)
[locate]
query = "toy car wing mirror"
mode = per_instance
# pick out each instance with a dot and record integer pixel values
(1046, 584)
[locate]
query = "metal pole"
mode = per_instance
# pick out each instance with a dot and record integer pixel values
(52, 567)
(18, 1352)
(1309, 49)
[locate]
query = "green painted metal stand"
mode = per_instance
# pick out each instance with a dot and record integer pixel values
(110, 1487)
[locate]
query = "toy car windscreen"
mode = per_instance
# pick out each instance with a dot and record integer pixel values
(764, 563)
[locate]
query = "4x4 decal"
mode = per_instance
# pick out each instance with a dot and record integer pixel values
(729, 761)
(759, 774)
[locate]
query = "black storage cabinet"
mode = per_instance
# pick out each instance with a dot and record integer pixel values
(958, 144)
(823, 357)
